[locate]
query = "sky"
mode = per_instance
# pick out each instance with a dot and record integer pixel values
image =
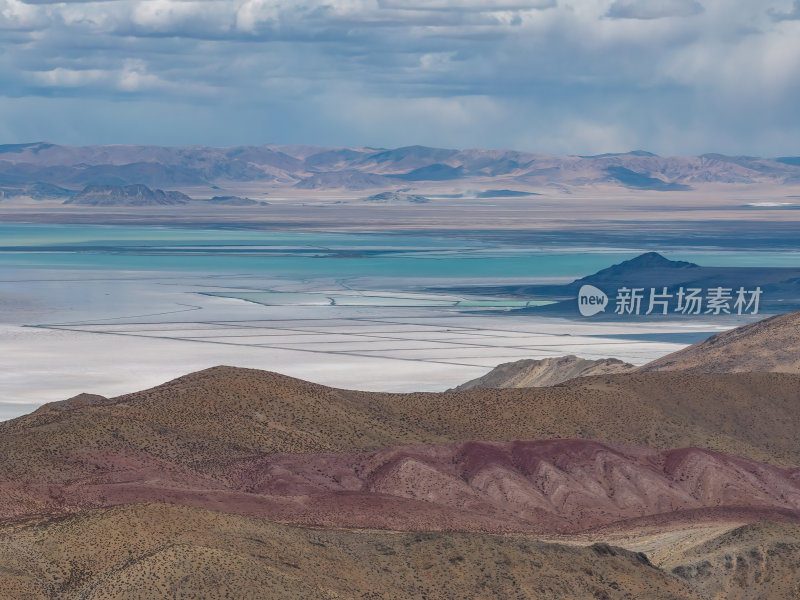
(675, 77)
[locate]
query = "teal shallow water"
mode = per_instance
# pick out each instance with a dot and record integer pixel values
(310, 255)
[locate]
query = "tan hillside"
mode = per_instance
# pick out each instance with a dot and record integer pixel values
(723, 560)
(545, 372)
(202, 422)
(151, 552)
(769, 345)
(751, 562)
(154, 551)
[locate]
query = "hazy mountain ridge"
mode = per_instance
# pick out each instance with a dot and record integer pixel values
(363, 168)
(127, 195)
(780, 287)
(134, 195)
(37, 191)
(397, 196)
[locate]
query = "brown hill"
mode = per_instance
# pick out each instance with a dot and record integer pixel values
(191, 440)
(545, 372)
(205, 420)
(563, 486)
(769, 345)
(159, 551)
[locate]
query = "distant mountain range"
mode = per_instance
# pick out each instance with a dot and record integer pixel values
(397, 197)
(312, 167)
(127, 195)
(134, 195)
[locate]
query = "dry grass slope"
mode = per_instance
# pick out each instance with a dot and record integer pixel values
(545, 372)
(150, 552)
(770, 345)
(204, 421)
(760, 561)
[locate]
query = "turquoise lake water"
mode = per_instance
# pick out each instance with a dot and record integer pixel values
(310, 255)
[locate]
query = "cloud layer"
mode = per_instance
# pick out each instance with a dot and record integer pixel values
(567, 76)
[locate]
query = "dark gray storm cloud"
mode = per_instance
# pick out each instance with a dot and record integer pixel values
(573, 76)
